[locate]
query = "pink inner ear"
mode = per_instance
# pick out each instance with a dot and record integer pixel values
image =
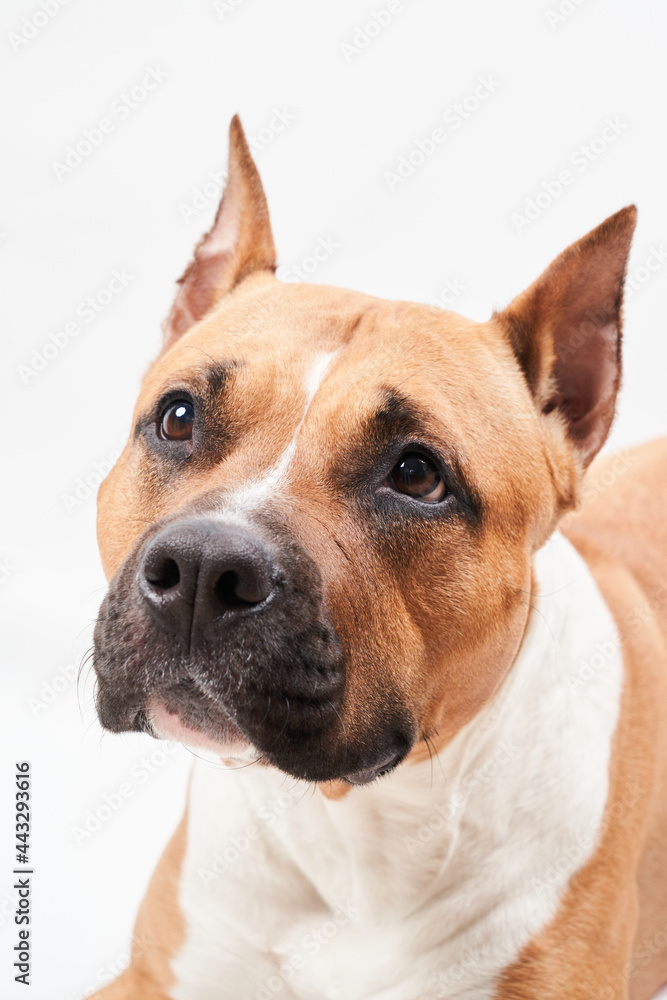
(587, 373)
(239, 242)
(223, 238)
(208, 271)
(565, 330)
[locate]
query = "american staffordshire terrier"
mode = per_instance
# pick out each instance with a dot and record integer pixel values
(350, 568)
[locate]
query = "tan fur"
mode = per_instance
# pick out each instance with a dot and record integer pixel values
(159, 931)
(617, 904)
(511, 467)
(447, 615)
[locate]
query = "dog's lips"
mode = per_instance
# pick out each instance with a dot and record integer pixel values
(168, 725)
(162, 723)
(370, 774)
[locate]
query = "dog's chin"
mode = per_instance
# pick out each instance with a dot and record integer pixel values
(228, 744)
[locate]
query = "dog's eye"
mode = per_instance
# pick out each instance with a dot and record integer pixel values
(177, 420)
(417, 476)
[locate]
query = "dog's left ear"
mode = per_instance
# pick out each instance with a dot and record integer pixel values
(239, 242)
(565, 331)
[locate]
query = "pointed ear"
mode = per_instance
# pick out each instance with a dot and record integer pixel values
(239, 242)
(565, 331)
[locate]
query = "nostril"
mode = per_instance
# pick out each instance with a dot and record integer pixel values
(226, 591)
(194, 573)
(164, 574)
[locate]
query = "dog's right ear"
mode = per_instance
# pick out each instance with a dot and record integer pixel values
(239, 242)
(565, 331)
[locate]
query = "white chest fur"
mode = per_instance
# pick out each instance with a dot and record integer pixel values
(429, 882)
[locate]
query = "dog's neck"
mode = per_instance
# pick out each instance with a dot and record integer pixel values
(440, 856)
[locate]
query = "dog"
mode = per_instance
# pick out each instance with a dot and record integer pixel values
(350, 567)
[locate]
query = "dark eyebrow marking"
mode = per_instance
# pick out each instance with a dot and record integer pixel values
(397, 417)
(207, 385)
(210, 383)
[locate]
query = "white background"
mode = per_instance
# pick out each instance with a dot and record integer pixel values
(353, 114)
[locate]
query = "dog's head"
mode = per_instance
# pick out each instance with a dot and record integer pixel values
(320, 533)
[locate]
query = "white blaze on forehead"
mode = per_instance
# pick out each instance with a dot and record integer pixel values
(249, 496)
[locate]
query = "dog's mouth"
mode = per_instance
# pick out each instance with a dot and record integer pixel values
(303, 736)
(370, 774)
(183, 714)
(270, 681)
(163, 724)
(229, 743)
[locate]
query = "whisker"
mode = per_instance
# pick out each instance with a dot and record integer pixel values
(286, 720)
(428, 747)
(544, 619)
(267, 710)
(344, 729)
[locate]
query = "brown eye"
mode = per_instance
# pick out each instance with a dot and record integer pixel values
(177, 420)
(417, 476)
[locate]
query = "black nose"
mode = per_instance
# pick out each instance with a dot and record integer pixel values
(194, 572)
